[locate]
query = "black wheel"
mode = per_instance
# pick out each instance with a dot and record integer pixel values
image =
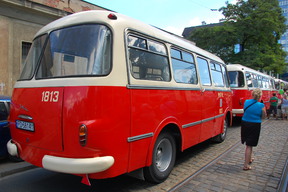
(222, 136)
(163, 159)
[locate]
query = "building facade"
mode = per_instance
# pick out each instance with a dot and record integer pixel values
(19, 22)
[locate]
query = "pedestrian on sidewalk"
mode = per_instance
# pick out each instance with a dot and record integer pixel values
(254, 112)
(279, 96)
(273, 106)
(284, 107)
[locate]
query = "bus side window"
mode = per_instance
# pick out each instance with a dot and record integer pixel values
(236, 78)
(217, 75)
(260, 81)
(264, 83)
(249, 80)
(184, 69)
(148, 62)
(272, 84)
(204, 71)
(241, 80)
(255, 83)
(225, 75)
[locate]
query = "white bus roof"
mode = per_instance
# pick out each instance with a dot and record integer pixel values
(281, 80)
(238, 67)
(121, 24)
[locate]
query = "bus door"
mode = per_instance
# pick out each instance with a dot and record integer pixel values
(208, 100)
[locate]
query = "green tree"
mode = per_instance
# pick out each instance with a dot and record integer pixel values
(256, 26)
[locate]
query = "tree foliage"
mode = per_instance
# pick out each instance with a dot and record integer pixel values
(255, 26)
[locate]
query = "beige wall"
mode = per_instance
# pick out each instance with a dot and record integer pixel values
(12, 33)
(71, 6)
(4, 43)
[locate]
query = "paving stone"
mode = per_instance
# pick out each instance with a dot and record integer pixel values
(267, 169)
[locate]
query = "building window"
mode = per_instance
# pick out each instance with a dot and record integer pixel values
(25, 49)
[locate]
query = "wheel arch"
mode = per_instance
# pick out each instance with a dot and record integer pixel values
(168, 125)
(229, 118)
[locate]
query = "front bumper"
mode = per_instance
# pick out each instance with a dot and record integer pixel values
(237, 111)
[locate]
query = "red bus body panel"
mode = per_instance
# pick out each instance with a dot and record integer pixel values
(111, 119)
(154, 109)
(106, 114)
(48, 125)
(241, 95)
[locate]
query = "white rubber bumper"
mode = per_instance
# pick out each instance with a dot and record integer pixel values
(77, 165)
(237, 111)
(12, 148)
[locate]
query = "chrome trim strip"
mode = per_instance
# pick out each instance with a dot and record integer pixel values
(218, 116)
(25, 117)
(201, 121)
(208, 119)
(161, 88)
(223, 90)
(191, 124)
(139, 137)
(129, 86)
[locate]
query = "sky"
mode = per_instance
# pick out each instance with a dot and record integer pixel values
(170, 15)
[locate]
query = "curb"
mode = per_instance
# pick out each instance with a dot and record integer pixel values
(10, 168)
(283, 185)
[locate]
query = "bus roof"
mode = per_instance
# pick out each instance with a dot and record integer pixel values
(121, 24)
(281, 81)
(239, 67)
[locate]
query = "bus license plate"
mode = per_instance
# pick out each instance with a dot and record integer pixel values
(25, 125)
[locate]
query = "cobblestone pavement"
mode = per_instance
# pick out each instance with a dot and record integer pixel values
(226, 174)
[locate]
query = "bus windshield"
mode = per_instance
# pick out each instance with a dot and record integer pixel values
(66, 54)
(236, 79)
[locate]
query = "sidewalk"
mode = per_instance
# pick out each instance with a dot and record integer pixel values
(269, 170)
(8, 167)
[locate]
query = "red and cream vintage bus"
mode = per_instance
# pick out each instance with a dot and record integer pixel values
(242, 81)
(102, 94)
